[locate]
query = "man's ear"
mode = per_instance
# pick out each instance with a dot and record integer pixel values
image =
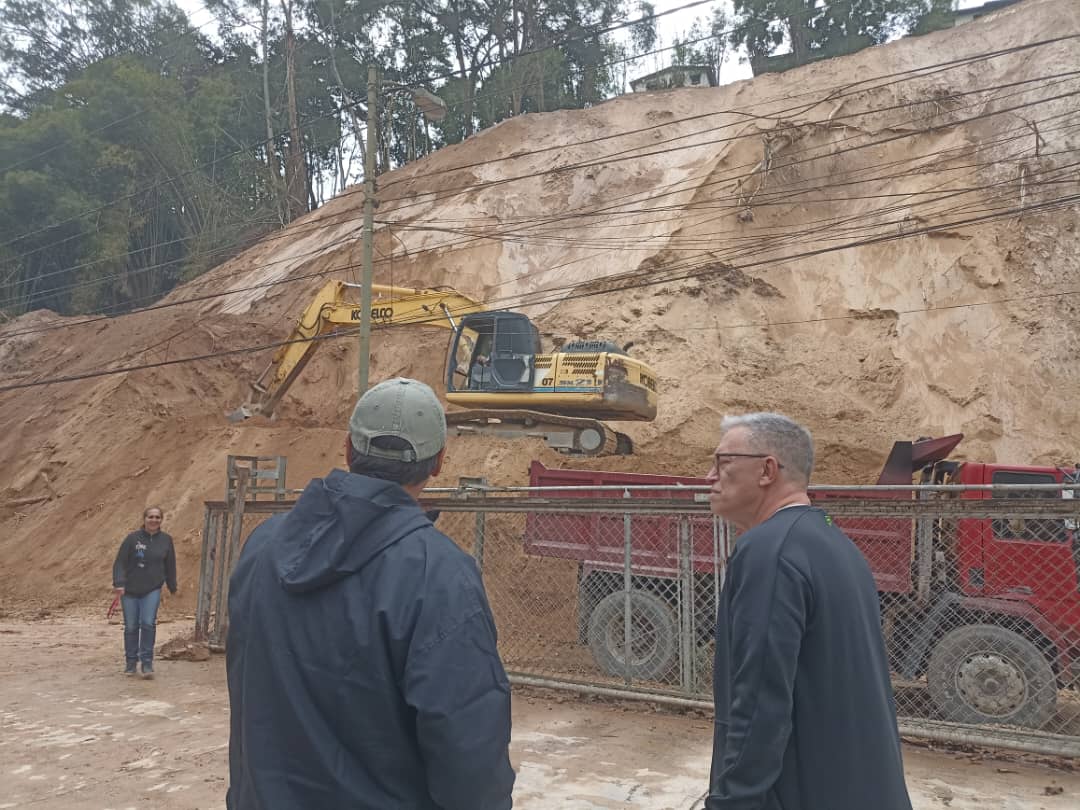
(771, 473)
(438, 463)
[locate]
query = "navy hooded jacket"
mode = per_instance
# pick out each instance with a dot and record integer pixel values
(362, 665)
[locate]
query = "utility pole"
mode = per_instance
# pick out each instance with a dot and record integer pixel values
(434, 109)
(367, 270)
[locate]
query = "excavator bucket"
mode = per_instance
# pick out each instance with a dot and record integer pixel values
(240, 414)
(257, 403)
(908, 457)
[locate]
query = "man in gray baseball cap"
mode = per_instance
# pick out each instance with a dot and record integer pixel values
(362, 662)
(398, 420)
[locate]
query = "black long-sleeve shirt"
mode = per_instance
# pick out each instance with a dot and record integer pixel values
(144, 563)
(805, 717)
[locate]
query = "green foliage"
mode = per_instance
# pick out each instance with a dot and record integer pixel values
(121, 183)
(706, 43)
(133, 147)
(811, 29)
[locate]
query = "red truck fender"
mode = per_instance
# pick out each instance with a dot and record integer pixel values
(994, 609)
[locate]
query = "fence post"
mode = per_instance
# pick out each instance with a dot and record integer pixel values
(243, 477)
(687, 634)
(217, 577)
(628, 617)
(480, 528)
(202, 606)
(924, 530)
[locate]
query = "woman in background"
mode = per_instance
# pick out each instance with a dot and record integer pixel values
(145, 562)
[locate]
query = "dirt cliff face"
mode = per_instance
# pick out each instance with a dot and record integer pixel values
(873, 245)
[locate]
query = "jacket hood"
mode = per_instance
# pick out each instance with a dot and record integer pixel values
(338, 525)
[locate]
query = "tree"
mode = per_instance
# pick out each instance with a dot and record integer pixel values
(43, 44)
(125, 180)
(813, 29)
(705, 44)
(135, 153)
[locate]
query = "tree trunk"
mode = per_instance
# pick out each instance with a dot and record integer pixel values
(295, 171)
(354, 119)
(340, 167)
(540, 87)
(463, 66)
(386, 136)
(516, 29)
(272, 163)
(800, 30)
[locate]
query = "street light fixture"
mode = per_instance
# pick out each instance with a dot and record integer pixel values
(433, 109)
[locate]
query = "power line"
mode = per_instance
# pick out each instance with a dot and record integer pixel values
(621, 156)
(672, 268)
(324, 249)
(727, 179)
(937, 67)
(828, 154)
(1046, 205)
(288, 232)
(291, 232)
(344, 107)
(848, 89)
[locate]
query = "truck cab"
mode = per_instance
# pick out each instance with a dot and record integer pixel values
(1032, 559)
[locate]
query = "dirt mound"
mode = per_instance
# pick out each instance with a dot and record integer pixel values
(947, 315)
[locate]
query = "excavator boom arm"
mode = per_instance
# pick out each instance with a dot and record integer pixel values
(331, 309)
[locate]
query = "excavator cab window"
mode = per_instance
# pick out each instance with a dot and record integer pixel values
(462, 349)
(502, 353)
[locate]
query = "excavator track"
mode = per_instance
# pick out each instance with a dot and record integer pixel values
(567, 434)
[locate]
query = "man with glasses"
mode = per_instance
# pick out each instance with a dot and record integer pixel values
(805, 718)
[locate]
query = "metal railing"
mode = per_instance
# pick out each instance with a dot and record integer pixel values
(980, 595)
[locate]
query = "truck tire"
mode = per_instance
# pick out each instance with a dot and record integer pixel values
(987, 674)
(654, 641)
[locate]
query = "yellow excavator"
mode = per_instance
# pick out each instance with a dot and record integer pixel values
(496, 370)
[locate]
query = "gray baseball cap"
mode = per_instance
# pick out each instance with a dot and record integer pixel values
(400, 407)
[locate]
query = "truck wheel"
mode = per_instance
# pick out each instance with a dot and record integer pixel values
(987, 674)
(654, 635)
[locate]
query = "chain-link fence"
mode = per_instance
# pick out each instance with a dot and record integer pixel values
(980, 596)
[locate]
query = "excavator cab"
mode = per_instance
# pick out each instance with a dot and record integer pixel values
(493, 351)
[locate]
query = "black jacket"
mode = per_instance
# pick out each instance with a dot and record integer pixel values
(805, 717)
(144, 563)
(362, 665)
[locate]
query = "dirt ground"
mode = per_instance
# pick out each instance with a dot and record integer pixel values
(75, 733)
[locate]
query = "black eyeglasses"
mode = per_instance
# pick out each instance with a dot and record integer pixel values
(718, 456)
(153, 517)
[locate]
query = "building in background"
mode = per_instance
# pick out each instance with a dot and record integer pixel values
(676, 76)
(966, 15)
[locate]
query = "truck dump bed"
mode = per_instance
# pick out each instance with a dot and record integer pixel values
(598, 539)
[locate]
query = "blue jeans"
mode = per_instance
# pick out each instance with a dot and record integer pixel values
(140, 626)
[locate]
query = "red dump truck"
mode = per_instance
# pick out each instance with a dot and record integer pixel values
(985, 609)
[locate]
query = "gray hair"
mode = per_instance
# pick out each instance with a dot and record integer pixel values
(779, 436)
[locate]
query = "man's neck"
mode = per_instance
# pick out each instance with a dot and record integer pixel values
(414, 490)
(770, 507)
